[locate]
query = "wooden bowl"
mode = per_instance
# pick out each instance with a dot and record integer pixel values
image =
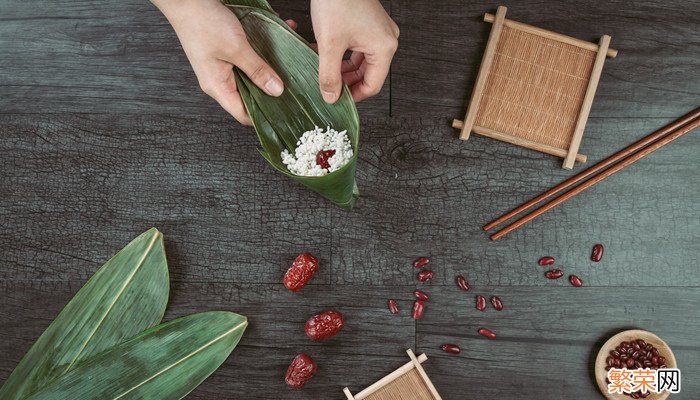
(600, 362)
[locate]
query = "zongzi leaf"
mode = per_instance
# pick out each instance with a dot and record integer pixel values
(126, 295)
(165, 362)
(280, 121)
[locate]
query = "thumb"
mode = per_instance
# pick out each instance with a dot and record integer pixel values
(258, 71)
(329, 70)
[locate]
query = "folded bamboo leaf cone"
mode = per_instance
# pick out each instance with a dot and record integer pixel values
(280, 122)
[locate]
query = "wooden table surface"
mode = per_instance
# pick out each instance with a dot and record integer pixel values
(105, 134)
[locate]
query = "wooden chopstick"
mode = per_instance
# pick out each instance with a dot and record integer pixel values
(597, 167)
(633, 153)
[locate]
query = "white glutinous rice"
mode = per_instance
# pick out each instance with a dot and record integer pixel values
(303, 162)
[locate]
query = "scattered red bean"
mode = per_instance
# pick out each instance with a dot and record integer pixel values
(421, 295)
(597, 252)
(546, 260)
(496, 303)
(324, 325)
(418, 308)
(421, 262)
(322, 158)
(450, 348)
(300, 371)
(302, 270)
(393, 307)
(480, 302)
(462, 283)
(487, 333)
(575, 280)
(425, 275)
(554, 274)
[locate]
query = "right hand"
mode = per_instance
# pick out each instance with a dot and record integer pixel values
(214, 41)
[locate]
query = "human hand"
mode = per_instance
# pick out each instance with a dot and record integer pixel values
(363, 27)
(214, 41)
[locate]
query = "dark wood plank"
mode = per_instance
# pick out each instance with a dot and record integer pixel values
(79, 187)
(548, 338)
(91, 56)
(427, 193)
(657, 72)
(372, 342)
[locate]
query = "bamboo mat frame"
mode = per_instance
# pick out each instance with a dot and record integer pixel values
(535, 88)
(408, 382)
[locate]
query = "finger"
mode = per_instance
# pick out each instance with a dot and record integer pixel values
(354, 62)
(258, 70)
(226, 94)
(292, 24)
(353, 77)
(376, 69)
(330, 63)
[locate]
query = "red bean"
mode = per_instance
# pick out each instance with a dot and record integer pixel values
(418, 308)
(425, 275)
(546, 260)
(496, 303)
(597, 252)
(421, 262)
(421, 295)
(393, 307)
(462, 283)
(450, 348)
(554, 274)
(575, 280)
(487, 333)
(480, 303)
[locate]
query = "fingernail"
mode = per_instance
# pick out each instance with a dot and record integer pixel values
(274, 87)
(329, 97)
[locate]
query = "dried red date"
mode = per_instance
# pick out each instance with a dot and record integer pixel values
(324, 325)
(496, 303)
(393, 307)
(322, 158)
(462, 283)
(421, 295)
(480, 302)
(554, 274)
(487, 333)
(450, 348)
(421, 262)
(425, 275)
(302, 270)
(546, 260)
(575, 281)
(300, 371)
(418, 307)
(597, 252)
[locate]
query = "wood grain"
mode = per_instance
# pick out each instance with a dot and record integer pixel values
(656, 74)
(105, 134)
(93, 56)
(228, 217)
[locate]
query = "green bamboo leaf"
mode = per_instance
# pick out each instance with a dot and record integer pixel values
(280, 121)
(165, 362)
(125, 296)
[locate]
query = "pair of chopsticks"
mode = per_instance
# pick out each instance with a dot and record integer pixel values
(615, 162)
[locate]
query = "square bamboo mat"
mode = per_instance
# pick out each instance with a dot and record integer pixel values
(408, 382)
(535, 88)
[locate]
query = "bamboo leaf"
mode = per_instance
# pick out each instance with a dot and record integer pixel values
(165, 362)
(126, 295)
(280, 121)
